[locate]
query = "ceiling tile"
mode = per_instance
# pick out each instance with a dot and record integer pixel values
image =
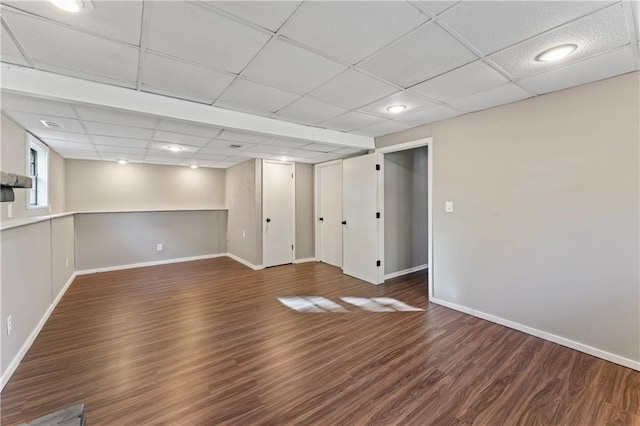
(320, 147)
(425, 53)
(32, 122)
(160, 149)
(116, 19)
(491, 98)
(50, 44)
(78, 155)
(351, 121)
(188, 128)
(211, 157)
(188, 31)
(112, 116)
(356, 29)
(117, 141)
(291, 67)
(152, 159)
(494, 25)
(310, 111)
(186, 81)
(592, 69)
(462, 82)
(269, 149)
(435, 7)
(222, 144)
(65, 145)
(258, 96)
(594, 34)
(103, 129)
(352, 89)
(62, 136)
(409, 100)
(10, 52)
(115, 156)
(121, 149)
(268, 14)
(217, 152)
(178, 138)
(383, 128)
(245, 137)
(12, 102)
(429, 115)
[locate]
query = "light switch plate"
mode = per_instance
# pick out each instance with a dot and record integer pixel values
(448, 206)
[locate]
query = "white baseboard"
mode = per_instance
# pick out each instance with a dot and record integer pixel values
(11, 368)
(244, 262)
(626, 362)
(406, 271)
(305, 260)
(154, 263)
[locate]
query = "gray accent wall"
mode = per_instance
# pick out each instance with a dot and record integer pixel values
(13, 159)
(244, 202)
(405, 210)
(109, 186)
(545, 228)
(305, 238)
(117, 239)
(33, 272)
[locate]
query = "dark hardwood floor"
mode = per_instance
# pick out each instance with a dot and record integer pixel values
(207, 342)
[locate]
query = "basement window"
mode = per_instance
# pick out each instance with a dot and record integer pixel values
(38, 168)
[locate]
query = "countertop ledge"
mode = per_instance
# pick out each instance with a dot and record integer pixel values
(15, 223)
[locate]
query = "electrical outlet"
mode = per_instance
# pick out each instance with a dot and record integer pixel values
(159, 247)
(244, 234)
(448, 206)
(66, 263)
(10, 210)
(9, 325)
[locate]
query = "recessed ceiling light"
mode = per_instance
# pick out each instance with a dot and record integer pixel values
(396, 108)
(122, 162)
(68, 5)
(50, 124)
(194, 166)
(556, 53)
(175, 148)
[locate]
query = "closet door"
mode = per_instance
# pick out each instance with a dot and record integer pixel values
(329, 212)
(362, 229)
(278, 204)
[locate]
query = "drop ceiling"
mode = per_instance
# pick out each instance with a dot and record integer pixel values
(328, 65)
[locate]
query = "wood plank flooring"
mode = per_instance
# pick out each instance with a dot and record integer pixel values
(207, 342)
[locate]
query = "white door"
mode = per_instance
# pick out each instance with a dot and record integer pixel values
(329, 212)
(277, 212)
(361, 227)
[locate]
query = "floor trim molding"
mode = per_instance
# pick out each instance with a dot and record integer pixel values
(154, 263)
(599, 353)
(305, 260)
(406, 271)
(244, 262)
(15, 362)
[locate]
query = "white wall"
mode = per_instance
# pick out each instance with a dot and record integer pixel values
(109, 186)
(406, 222)
(34, 272)
(545, 229)
(13, 159)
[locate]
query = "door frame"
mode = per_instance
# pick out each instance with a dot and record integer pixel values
(428, 142)
(316, 194)
(293, 198)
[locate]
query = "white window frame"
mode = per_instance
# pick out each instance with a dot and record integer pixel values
(43, 172)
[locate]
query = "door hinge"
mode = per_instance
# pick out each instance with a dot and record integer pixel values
(291, 246)
(377, 263)
(377, 166)
(378, 215)
(291, 175)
